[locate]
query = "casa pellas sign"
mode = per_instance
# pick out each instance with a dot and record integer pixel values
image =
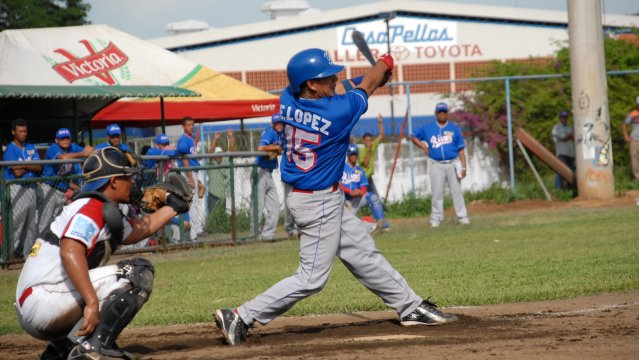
(96, 63)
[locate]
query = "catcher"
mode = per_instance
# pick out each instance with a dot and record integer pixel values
(66, 294)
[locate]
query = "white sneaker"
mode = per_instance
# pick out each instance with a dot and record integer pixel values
(464, 221)
(434, 224)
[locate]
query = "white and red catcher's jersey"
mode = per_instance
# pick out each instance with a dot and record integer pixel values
(82, 221)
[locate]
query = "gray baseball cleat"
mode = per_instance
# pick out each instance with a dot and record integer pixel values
(427, 314)
(232, 326)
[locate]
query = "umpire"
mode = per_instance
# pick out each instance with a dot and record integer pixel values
(444, 146)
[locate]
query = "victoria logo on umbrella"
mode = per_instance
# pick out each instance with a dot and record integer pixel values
(97, 63)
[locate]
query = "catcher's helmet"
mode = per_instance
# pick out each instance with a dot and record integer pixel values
(309, 64)
(276, 118)
(352, 150)
(104, 164)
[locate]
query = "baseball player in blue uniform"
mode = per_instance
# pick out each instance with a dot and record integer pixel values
(23, 195)
(268, 202)
(114, 138)
(161, 148)
(318, 126)
(355, 186)
(55, 191)
(187, 146)
(446, 163)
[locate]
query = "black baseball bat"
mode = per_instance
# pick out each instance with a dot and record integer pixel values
(360, 42)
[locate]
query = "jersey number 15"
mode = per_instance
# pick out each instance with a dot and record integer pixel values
(303, 157)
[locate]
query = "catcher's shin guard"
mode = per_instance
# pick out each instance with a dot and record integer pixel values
(121, 306)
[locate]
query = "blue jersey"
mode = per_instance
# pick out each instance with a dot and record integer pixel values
(269, 137)
(151, 164)
(185, 146)
(353, 178)
(444, 142)
(317, 136)
(122, 146)
(15, 153)
(61, 169)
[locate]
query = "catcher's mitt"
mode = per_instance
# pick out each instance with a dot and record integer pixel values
(175, 192)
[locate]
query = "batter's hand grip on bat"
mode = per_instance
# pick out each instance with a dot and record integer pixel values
(388, 60)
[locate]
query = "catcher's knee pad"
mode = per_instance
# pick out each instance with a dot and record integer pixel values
(116, 312)
(139, 272)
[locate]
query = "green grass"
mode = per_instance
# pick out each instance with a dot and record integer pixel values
(523, 256)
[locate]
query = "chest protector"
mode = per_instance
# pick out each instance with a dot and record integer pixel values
(112, 216)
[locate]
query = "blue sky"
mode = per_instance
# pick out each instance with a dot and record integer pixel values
(146, 19)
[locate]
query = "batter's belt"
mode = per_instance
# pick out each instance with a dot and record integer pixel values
(331, 189)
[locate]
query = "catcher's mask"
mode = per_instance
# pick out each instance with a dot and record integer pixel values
(106, 163)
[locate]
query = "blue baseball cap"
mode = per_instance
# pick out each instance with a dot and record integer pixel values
(276, 118)
(113, 129)
(564, 114)
(63, 133)
(442, 106)
(162, 139)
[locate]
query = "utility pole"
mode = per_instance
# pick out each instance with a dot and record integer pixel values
(590, 100)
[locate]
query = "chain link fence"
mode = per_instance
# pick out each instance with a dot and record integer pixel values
(223, 211)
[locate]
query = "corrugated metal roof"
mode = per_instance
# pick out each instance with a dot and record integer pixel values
(432, 9)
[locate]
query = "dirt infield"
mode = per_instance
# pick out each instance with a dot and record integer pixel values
(592, 327)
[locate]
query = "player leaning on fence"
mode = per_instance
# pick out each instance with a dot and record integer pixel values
(317, 125)
(55, 193)
(23, 194)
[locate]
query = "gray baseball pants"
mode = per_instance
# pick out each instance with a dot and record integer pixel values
(268, 203)
(23, 206)
(53, 201)
(328, 231)
(441, 173)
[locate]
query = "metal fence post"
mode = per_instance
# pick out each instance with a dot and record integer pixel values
(233, 214)
(410, 143)
(511, 160)
(256, 222)
(7, 243)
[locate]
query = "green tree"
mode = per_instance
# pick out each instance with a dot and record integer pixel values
(21, 14)
(535, 104)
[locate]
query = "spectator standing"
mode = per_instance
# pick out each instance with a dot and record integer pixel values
(57, 192)
(632, 138)
(563, 136)
(218, 178)
(268, 201)
(447, 163)
(368, 155)
(23, 195)
(355, 187)
(114, 138)
(187, 146)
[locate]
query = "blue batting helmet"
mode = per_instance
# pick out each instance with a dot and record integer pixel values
(307, 65)
(352, 150)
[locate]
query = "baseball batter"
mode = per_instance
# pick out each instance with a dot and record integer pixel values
(318, 126)
(65, 294)
(355, 186)
(55, 191)
(268, 202)
(447, 163)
